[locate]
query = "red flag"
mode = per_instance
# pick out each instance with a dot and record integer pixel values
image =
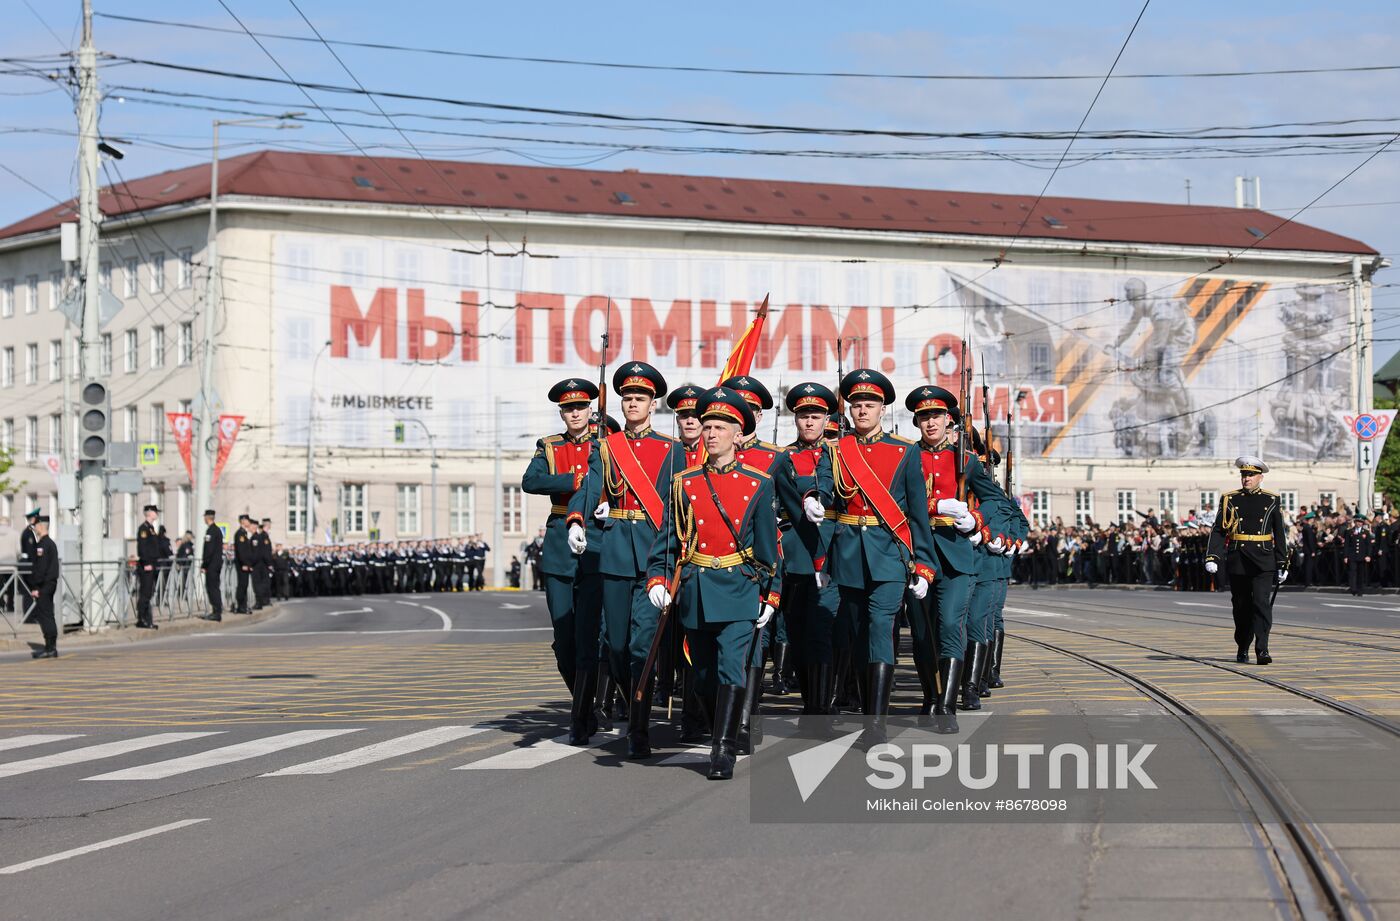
(740, 359)
(228, 434)
(182, 425)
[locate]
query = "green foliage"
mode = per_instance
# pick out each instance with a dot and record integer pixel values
(7, 485)
(1388, 470)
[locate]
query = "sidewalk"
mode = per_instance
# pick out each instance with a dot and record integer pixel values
(30, 638)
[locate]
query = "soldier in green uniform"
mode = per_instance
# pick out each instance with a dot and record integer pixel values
(1249, 536)
(572, 585)
(627, 477)
(803, 483)
(876, 552)
(721, 531)
(1020, 529)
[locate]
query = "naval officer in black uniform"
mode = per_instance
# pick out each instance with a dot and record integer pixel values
(1249, 537)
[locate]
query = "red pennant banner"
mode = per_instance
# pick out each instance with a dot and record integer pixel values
(182, 426)
(229, 427)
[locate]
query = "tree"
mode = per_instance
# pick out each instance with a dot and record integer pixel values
(1388, 469)
(7, 461)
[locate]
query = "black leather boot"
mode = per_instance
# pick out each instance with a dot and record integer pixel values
(602, 700)
(639, 724)
(840, 699)
(748, 736)
(780, 659)
(983, 688)
(994, 670)
(581, 721)
(693, 718)
(729, 710)
(1242, 654)
(879, 682)
(945, 706)
(926, 684)
(975, 657)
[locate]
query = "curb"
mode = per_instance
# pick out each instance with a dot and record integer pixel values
(129, 634)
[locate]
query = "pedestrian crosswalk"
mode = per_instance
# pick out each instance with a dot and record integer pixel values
(165, 755)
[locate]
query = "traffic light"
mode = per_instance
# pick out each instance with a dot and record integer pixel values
(95, 427)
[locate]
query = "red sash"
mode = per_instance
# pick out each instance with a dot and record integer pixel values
(876, 492)
(635, 476)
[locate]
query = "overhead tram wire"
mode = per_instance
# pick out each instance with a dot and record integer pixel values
(305, 91)
(758, 72)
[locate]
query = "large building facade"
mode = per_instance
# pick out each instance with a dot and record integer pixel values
(374, 312)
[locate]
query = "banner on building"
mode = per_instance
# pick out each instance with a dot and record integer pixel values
(1112, 364)
(182, 427)
(229, 426)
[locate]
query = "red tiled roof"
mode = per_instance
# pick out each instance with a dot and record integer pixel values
(445, 183)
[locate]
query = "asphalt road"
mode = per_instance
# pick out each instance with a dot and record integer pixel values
(397, 757)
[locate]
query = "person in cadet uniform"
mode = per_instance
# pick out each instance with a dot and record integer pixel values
(719, 530)
(694, 721)
(262, 570)
(1249, 536)
(802, 480)
(939, 622)
(211, 563)
(244, 557)
(281, 573)
(876, 552)
(42, 581)
(1357, 550)
(147, 558)
(1017, 528)
(627, 476)
(572, 585)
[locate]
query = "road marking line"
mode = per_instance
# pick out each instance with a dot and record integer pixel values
(700, 754)
(100, 845)
(94, 752)
(514, 607)
(25, 741)
(546, 751)
(1200, 604)
(266, 634)
(226, 755)
(1031, 613)
(1364, 607)
(355, 611)
(446, 622)
(382, 751)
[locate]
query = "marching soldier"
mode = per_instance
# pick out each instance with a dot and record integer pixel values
(43, 582)
(876, 552)
(940, 634)
(720, 532)
(211, 563)
(1249, 536)
(244, 557)
(681, 401)
(802, 480)
(627, 476)
(147, 558)
(571, 583)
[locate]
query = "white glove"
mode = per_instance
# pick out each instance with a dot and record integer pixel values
(660, 596)
(813, 507)
(965, 523)
(996, 546)
(952, 508)
(601, 511)
(823, 580)
(919, 587)
(578, 542)
(765, 614)
(1282, 576)
(1211, 567)
(975, 537)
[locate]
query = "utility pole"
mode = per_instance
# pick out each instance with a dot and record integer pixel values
(432, 454)
(1360, 381)
(311, 452)
(497, 563)
(92, 498)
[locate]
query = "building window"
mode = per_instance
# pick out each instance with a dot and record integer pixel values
(185, 274)
(31, 363)
(7, 298)
(75, 356)
(31, 294)
(133, 357)
(186, 343)
(7, 367)
(1166, 504)
(1127, 505)
(133, 424)
(31, 438)
(157, 346)
(185, 406)
(461, 508)
(1288, 501)
(104, 275)
(56, 434)
(1083, 507)
(410, 508)
(158, 424)
(7, 435)
(55, 289)
(352, 508)
(513, 510)
(1209, 499)
(129, 277)
(1328, 499)
(1040, 507)
(296, 508)
(55, 359)
(106, 358)
(157, 272)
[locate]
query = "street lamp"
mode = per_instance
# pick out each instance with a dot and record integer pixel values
(432, 451)
(204, 457)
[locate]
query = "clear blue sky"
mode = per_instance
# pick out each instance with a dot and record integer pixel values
(1043, 38)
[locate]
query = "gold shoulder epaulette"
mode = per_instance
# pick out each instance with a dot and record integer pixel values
(901, 438)
(552, 439)
(1267, 493)
(664, 436)
(755, 471)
